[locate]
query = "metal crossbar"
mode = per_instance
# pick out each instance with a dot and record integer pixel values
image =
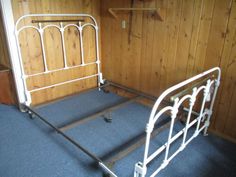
(97, 114)
(72, 141)
(136, 143)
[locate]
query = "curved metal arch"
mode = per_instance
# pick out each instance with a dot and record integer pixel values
(51, 26)
(185, 98)
(88, 24)
(181, 84)
(162, 111)
(54, 15)
(73, 25)
(200, 89)
(26, 27)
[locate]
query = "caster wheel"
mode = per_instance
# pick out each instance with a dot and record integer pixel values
(105, 90)
(108, 118)
(31, 115)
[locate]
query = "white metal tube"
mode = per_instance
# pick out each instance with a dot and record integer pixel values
(55, 15)
(147, 143)
(170, 135)
(23, 77)
(63, 45)
(149, 129)
(100, 79)
(81, 44)
(60, 69)
(217, 83)
(173, 155)
(61, 83)
(181, 84)
(191, 104)
(206, 92)
(187, 123)
(43, 48)
(176, 136)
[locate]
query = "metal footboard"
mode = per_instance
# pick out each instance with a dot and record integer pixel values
(208, 90)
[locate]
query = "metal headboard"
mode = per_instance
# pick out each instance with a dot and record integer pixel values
(40, 26)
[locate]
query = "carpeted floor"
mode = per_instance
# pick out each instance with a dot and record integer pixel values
(28, 148)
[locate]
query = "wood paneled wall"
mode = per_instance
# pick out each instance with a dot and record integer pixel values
(32, 52)
(150, 55)
(4, 56)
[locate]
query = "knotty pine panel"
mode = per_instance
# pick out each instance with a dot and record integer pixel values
(150, 55)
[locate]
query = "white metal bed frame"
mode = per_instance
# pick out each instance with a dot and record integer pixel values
(203, 117)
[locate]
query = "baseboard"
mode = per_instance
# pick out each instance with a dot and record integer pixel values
(233, 140)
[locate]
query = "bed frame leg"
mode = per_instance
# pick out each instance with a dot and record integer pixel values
(139, 170)
(207, 123)
(31, 114)
(110, 165)
(105, 90)
(108, 117)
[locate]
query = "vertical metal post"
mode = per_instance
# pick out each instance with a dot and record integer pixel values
(173, 116)
(206, 92)
(81, 43)
(9, 29)
(41, 31)
(23, 75)
(63, 45)
(207, 122)
(191, 104)
(100, 79)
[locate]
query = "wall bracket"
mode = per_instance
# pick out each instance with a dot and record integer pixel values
(112, 11)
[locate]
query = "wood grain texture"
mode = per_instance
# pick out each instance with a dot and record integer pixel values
(32, 50)
(7, 94)
(4, 55)
(195, 36)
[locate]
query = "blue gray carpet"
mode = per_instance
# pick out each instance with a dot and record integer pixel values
(28, 148)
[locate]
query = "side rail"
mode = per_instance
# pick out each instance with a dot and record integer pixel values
(65, 21)
(208, 90)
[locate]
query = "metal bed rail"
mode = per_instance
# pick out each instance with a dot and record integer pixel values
(72, 141)
(209, 91)
(106, 162)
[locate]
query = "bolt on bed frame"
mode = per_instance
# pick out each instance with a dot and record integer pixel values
(152, 129)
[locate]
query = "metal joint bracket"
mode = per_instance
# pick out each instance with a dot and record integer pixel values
(101, 80)
(139, 169)
(164, 164)
(183, 145)
(149, 127)
(207, 123)
(40, 31)
(207, 89)
(217, 83)
(208, 112)
(196, 133)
